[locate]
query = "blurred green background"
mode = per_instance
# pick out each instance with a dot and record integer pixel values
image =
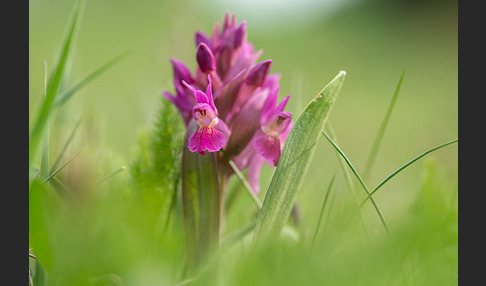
(310, 42)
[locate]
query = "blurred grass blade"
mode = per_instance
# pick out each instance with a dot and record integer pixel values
(64, 148)
(40, 275)
(365, 188)
(51, 175)
(236, 236)
(296, 155)
(376, 144)
(35, 134)
(112, 174)
(324, 203)
(405, 166)
(69, 93)
(347, 176)
(243, 181)
(44, 167)
(342, 162)
(44, 207)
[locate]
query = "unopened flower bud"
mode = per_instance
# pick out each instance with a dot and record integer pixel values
(205, 58)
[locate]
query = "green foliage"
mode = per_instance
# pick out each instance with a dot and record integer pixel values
(156, 170)
(157, 164)
(54, 83)
(293, 163)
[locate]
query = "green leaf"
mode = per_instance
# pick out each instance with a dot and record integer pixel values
(44, 207)
(54, 83)
(296, 155)
(201, 204)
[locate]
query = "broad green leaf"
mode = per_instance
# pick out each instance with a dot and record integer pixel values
(201, 204)
(296, 155)
(54, 83)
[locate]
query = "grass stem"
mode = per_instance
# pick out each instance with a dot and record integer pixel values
(379, 137)
(245, 183)
(365, 188)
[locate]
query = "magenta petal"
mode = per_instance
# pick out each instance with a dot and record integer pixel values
(205, 58)
(283, 119)
(258, 73)
(269, 106)
(181, 72)
(209, 94)
(200, 37)
(223, 128)
(203, 107)
(282, 104)
(240, 34)
(201, 97)
(206, 139)
(223, 61)
(268, 147)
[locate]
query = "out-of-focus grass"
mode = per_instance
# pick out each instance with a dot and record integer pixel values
(116, 230)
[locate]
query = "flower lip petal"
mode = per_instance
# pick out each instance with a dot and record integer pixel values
(206, 139)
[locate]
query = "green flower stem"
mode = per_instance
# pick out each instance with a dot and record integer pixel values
(201, 204)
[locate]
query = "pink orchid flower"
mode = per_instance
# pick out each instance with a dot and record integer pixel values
(238, 111)
(212, 133)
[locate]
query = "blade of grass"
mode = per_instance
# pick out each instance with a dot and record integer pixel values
(44, 167)
(243, 181)
(342, 162)
(347, 177)
(60, 168)
(295, 158)
(66, 144)
(379, 137)
(403, 167)
(65, 96)
(234, 237)
(112, 174)
(329, 188)
(54, 83)
(365, 188)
